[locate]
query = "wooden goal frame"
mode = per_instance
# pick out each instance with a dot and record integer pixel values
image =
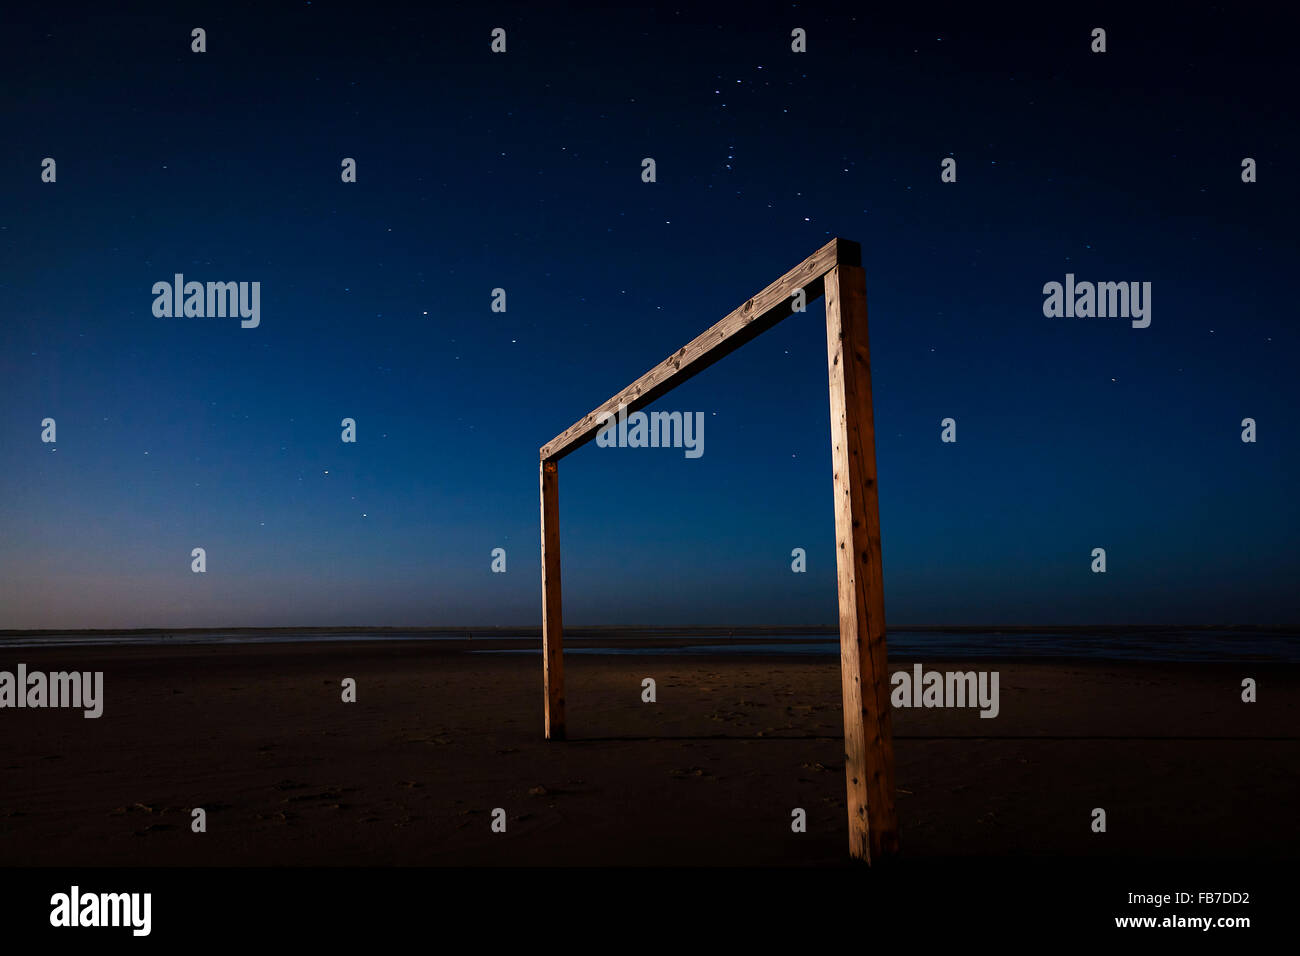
(834, 270)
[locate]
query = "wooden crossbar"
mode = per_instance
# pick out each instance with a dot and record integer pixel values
(742, 324)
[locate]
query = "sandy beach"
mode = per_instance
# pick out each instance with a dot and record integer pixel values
(707, 775)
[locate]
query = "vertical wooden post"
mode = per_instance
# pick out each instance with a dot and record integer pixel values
(868, 737)
(552, 619)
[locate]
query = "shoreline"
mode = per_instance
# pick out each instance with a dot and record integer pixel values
(1152, 645)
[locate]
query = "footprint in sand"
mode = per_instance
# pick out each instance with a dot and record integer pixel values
(689, 772)
(154, 828)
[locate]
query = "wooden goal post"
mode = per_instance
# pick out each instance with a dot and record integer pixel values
(834, 270)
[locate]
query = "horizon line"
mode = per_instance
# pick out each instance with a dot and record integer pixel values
(705, 628)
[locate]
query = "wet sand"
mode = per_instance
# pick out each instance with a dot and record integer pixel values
(708, 775)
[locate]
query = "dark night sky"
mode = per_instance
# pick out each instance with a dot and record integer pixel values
(522, 171)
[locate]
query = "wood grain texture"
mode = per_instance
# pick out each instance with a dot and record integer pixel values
(868, 737)
(743, 324)
(552, 617)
